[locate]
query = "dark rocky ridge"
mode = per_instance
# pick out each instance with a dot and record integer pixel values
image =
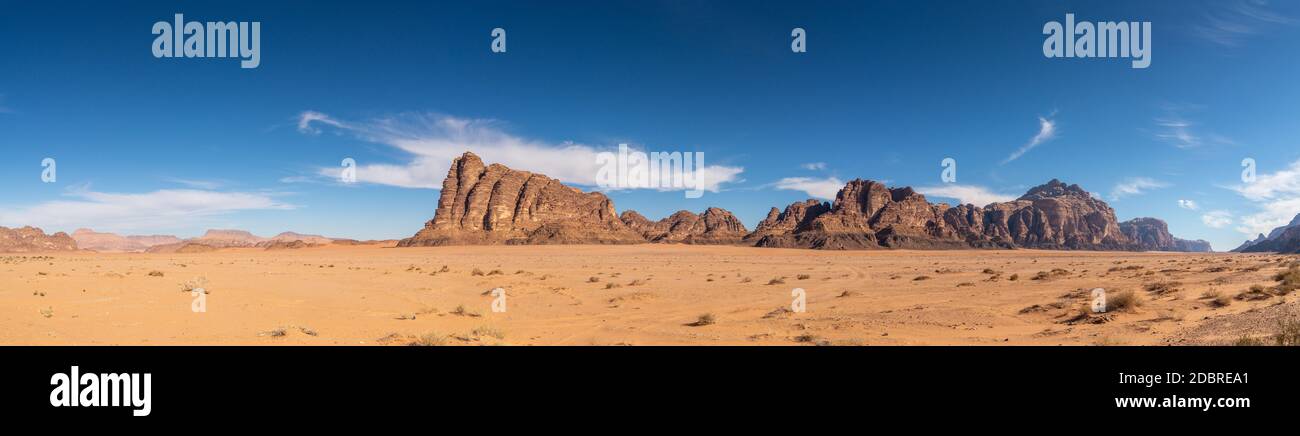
(1153, 235)
(1284, 239)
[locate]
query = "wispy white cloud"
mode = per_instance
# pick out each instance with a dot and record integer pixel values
(431, 141)
(1276, 195)
(814, 166)
(135, 211)
(823, 188)
(1177, 132)
(1046, 131)
(966, 194)
(1230, 23)
(1135, 186)
(1217, 219)
(1188, 204)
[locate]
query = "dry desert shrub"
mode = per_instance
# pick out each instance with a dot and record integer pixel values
(488, 331)
(802, 277)
(593, 279)
(920, 278)
(476, 272)
(1123, 300)
(1287, 332)
(705, 319)
(1163, 288)
(777, 281)
(431, 339)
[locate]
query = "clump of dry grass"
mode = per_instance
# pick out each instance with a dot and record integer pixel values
(1014, 277)
(462, 311)
(1123, 300)
(612, 285)
(1287, 332)
(746, 280)
(155, 273)
(1217, 298)
(1163, 288)
(777, 281)
(593, 279)
(1256, 292)
(476, 272)
(635, 282)
(802, 277)
(431, 339)
(488, 331)
(495, 272)
(705, 319)
(920, 278)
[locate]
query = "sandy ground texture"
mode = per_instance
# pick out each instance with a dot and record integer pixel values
(635, 295)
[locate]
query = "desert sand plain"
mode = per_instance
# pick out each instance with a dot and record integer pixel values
(650, 294)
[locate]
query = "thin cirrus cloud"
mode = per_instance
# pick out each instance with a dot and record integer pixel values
(1231, 23)
(814, 166)
(1135, 186)
(1275, 195)
(432, 141)
(822, 188)
(1046, 131)
(111, 211)
(966, 194)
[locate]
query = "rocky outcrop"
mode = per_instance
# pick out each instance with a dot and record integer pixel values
(497, 205)
(34, 240)
(1153, 235)
(714, 226)
(1251, 243)
(1285, 239)
(867, 214)
(1190, 246)
(111, 242)
(228, 239)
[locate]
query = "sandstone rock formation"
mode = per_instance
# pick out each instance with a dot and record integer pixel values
(228, 238)
(497, 205)
(111, 242)
(868, 214)
(33, 240)
(1153, 234)
(714, 226)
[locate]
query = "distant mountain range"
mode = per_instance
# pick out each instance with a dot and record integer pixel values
(1285, 239)
(493, 204)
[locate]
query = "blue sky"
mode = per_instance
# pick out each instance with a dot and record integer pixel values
(886, 91)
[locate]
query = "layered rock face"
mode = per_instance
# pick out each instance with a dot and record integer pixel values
(497, 205)
(868, 214)
(1153, 235)
(1285, 239)
(111, 242)
(714, 226)
(33, 240)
